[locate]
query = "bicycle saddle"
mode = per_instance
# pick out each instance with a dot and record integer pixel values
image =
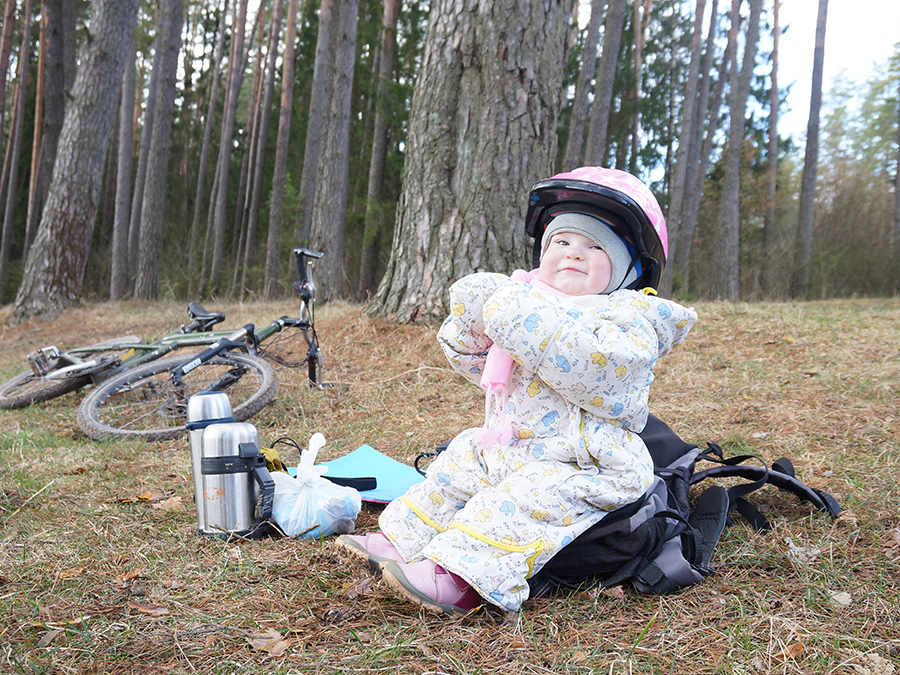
(197, 313)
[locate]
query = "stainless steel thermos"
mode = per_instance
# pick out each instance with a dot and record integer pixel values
(233, 491)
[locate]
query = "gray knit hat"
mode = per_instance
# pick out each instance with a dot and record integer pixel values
(600, 231)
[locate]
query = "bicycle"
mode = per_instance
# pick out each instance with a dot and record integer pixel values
(140, 394)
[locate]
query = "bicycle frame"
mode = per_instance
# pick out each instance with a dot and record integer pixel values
(246, 338)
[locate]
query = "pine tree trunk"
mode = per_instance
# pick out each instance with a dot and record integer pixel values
(48, 122)
(772, 160)
(245, 184)
(263, 135)
(313, 144)
(204, 148)
(215, 270)
(276, 210)
(686, 136)
(329, 212)
(119, 273)
(153, 210)
(641, 18)
(697, 177)
(595, 153)
(54, 270)
(482, 131)
(14, 149)
(6, 35)
(374, 215)
(807, 214)
(897, 201)
(140, 179)
(727, 271)
(578, 117)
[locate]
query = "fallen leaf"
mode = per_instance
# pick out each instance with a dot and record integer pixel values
(616, 592)
(801, 554)
(152, 610)
(362, 588)
(265, 641)
(171, 504)
(842, 598)
(279, 647)
(48, 637)
(126, 577)
(146, 496)
(792, 652)
(71, 573)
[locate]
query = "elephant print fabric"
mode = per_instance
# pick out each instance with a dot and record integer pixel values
(577, 395)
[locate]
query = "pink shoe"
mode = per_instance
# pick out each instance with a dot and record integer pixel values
(430, 585)
(372, 549)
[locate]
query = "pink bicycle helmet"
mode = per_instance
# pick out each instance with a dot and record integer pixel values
(616, 196)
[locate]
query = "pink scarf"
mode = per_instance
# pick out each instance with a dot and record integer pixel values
(495, 379)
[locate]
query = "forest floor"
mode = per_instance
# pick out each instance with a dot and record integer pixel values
(102, 569)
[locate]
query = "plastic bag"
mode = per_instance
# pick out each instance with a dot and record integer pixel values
(311, 506)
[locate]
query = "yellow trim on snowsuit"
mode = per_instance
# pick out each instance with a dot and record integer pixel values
(537, 545)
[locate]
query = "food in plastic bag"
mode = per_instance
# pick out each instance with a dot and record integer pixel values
(312, 506)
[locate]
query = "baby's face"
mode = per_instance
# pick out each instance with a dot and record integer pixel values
(575, 264)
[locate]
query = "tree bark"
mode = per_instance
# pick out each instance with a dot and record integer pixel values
(204, 148)
(595, 153)
(482, 130)
(686, 136)
(48, 123)
(314, 125)
(119, 273)
(245, 184)
(14, 149)
(6, 35)
(772, 159)
(697, 177)
(807, 214)
(263, 135)
(276, 210)
(641, 18)
(575, 141)
(374, 213)
(140, 179)
(329, 212)
(54, 270)
(897, 198)
(727, 270)
(221, 195)
(153, 210)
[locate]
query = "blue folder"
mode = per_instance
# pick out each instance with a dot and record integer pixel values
(393, 478)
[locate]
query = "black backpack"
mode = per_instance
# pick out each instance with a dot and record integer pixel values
(660, 544)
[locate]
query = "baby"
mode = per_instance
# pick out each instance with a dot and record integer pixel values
(567, 352)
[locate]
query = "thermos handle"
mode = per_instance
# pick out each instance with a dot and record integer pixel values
(265, 497)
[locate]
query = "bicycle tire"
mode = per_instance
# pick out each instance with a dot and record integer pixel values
(21, 390)
(142, 403)
(24, 389)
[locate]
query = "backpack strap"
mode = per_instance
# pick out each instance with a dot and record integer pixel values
(781, 476)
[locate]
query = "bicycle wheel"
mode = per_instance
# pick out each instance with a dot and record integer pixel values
(143, 403)
(26, 388)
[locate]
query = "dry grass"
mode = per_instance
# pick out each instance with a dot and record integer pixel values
(94, 578)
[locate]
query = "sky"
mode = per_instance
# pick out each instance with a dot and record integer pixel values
(859, 34)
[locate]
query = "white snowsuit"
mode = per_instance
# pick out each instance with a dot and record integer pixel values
(577, 394)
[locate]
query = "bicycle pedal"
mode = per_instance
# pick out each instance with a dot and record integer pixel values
(42, 361)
